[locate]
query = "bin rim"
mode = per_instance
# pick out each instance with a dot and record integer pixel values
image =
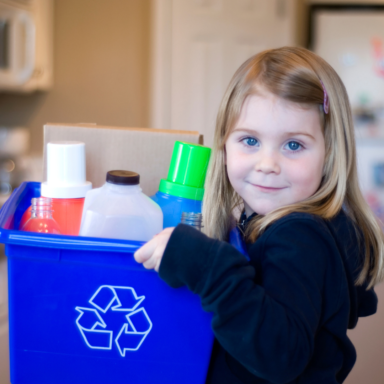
(31, 239)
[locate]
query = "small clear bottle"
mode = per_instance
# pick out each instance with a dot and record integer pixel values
(41, 217)
(193, 219)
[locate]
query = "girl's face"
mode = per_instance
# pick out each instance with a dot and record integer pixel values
(275, 153)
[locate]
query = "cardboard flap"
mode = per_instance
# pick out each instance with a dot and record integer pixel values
(142, 150)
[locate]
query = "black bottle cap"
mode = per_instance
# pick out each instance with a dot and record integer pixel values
(123, 178)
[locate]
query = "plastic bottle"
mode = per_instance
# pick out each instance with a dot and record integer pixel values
(41, 219)
(183, 190)
(119, 210)
(193, 219)
(66, 184)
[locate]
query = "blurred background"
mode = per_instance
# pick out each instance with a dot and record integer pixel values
(166, 64)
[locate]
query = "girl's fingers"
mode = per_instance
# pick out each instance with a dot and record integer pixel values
(153, 262)
(150, 263)
(151, 253)
(145, 252)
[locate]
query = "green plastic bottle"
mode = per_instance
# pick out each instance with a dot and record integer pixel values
(183, 190)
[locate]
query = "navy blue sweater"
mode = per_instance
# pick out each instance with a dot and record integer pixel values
(281, 317)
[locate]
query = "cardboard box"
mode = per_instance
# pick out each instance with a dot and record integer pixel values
(142, 150)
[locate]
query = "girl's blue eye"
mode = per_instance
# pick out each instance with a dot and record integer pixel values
(250, 141)
(294, 145)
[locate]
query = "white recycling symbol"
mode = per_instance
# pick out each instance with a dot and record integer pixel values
(124, 299)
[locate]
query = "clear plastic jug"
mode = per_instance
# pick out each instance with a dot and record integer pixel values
(119, 210)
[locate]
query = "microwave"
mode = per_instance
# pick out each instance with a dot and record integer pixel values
(26, 40)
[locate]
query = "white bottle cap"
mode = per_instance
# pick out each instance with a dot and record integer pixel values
(65, 171)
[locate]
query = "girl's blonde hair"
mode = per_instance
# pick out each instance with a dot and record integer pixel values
(295, 74)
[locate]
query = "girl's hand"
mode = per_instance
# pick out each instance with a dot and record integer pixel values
(151, 253)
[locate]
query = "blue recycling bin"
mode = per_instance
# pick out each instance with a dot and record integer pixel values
(81, 310)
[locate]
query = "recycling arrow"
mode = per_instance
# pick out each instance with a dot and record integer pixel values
(124, 298)
(132, 335)
(87, 322)
(89, 318)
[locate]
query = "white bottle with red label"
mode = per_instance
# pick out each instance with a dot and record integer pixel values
(66, 184)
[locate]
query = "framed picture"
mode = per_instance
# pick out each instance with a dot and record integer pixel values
(351, 39)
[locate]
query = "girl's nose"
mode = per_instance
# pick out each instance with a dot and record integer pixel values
(268, 163)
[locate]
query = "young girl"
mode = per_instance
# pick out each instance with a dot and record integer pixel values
(284, 153)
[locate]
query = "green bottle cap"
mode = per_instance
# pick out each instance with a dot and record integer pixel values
(187, 171)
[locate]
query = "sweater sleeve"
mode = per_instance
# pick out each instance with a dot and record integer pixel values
(268, 328)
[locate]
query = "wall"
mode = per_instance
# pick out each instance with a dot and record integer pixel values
(101, 66)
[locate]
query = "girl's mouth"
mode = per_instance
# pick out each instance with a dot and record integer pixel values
(268, 189)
